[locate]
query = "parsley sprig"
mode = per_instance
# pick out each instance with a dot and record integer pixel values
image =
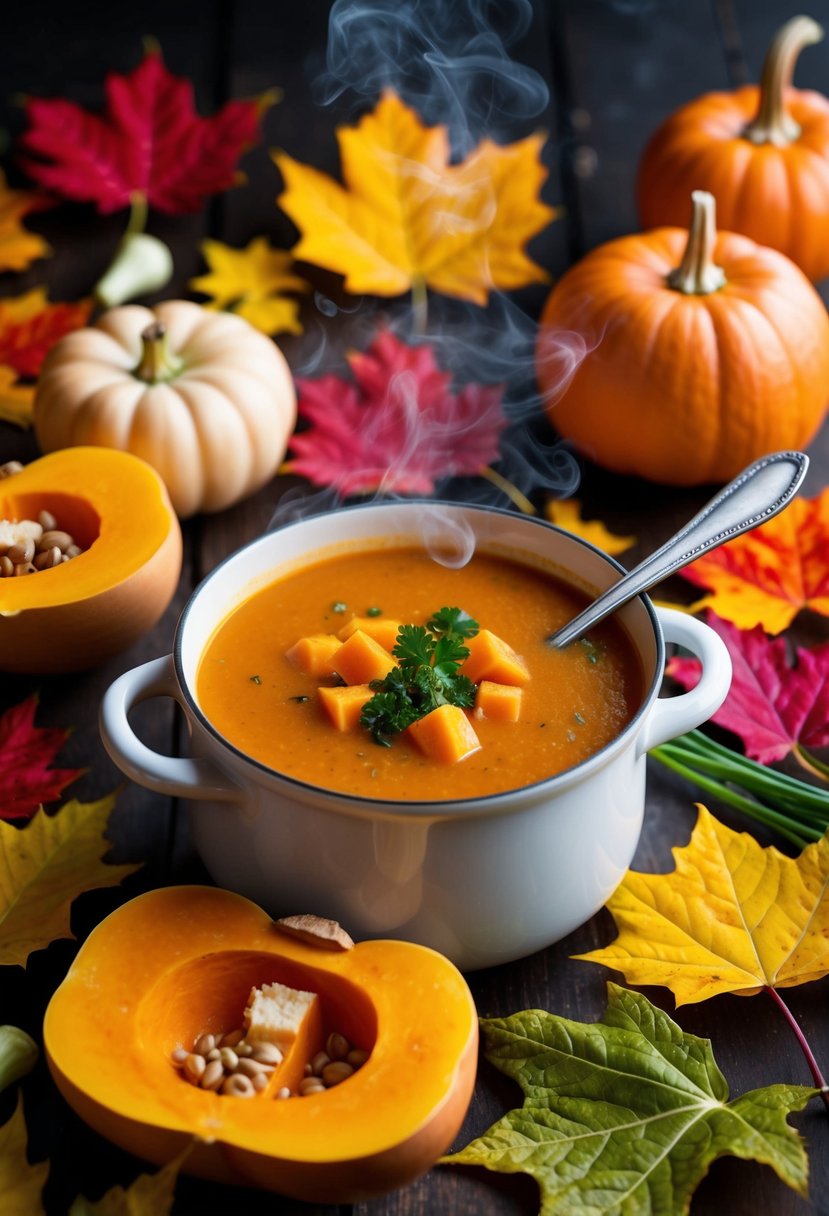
(427, 675)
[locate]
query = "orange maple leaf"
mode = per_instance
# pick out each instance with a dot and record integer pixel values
(407, 218)
(19, 247)
(768, 575)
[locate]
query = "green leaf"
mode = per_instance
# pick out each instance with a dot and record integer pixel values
(627, 1114)
(453, 620)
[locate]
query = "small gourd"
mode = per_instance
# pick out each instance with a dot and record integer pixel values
(762, 150)
(695, 353)
(202, 396)
(179, 962)
(79, 613)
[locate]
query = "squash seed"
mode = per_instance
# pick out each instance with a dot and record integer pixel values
(213, 1075)
(194, 1066)
(336, 1072)
(237, 1086)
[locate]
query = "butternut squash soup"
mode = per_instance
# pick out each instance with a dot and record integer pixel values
(386, 674)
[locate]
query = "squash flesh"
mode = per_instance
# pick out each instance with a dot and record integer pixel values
(406, 1004)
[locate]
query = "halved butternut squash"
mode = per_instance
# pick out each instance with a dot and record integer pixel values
(180, 961)
(83, 611)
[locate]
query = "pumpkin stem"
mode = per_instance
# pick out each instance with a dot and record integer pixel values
(697, 275)
(158, 363)
(773, 124)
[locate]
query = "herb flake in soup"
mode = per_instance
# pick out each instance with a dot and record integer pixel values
(575, 701)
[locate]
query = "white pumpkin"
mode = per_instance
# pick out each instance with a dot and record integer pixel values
(202, 396)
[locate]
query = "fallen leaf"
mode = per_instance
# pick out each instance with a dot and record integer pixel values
(26, 753)
(768, 575)
(30, 325)
(774, 706)
(149, 1195)
(731, 917)
(44, 867)
(566, 513)
(19, 247)
(21, 1184)
(16, 400)
(150, 142)
(626, 1115)
(398, 427)
(251, 282)
(407, 218)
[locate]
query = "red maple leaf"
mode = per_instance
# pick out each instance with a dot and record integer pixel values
(150, 142)
(30, 325)
(398, 427)
(774, 707)
(26, 751)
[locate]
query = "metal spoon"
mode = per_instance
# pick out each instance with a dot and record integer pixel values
(760, 491)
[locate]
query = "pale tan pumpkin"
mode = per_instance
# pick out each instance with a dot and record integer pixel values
(202, 396)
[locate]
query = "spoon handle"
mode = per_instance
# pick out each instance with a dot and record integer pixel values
(760, 491)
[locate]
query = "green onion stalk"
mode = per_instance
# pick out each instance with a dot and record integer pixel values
(798, 811)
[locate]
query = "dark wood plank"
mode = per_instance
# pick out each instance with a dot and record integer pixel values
(615, 71)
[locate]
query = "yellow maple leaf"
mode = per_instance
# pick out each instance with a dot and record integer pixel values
(21, 1184)
(43, 867)
(407, 218)
(149, 1195)
(15, 399)
(18, 247)
(732, 917)
(251, 282)
(566, 513)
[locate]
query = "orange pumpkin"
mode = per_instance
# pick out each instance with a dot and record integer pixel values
(696, 353)
(762, 151)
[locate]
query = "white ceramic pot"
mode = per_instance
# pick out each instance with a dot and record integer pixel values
(484, 880)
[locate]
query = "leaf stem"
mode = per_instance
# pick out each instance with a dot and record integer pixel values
(420, 305)
(811, 763)
(138, 214)
(814, 1069)
(512, 492)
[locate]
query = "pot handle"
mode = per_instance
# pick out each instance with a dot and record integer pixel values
(165, 774)
(673, 716)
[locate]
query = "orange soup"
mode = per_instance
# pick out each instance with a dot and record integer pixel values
(572, 702)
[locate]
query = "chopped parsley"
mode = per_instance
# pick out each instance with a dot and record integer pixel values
(374, 611)
(255, 679)
(427, 675)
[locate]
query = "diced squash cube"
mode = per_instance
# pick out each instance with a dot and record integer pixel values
(491, 658)
(360, 659)
(313, 654)
(290, 1019)
(501, 702)
(382, 629)
(445, 735)
(344, 704)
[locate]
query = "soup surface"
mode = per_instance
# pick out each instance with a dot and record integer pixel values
(575, 701)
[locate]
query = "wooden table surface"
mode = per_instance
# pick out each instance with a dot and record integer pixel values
(614, 71)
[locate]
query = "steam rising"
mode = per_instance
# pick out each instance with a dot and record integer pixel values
(450, 60)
